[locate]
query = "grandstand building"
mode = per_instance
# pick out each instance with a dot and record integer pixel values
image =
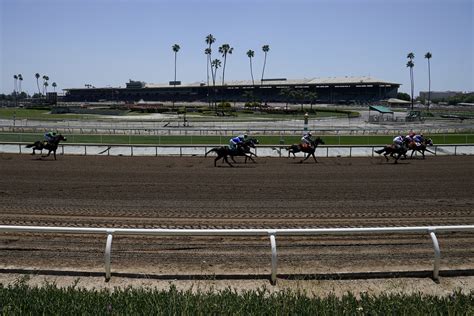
(343, 90)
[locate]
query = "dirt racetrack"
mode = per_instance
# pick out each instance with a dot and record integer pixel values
(173, 192)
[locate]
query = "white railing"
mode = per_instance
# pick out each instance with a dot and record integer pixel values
(271, 233)
(200, 150)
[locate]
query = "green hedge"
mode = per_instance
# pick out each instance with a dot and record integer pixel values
(21, 299)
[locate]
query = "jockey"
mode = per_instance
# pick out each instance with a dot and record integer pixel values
(306, 140)
(49, 137)
(398, 141)
(418, 139)
(235, 141)
(410, 136)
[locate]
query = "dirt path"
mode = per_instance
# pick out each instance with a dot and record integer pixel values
(171, 192)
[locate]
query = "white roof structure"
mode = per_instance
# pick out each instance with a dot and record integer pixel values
(268, 82)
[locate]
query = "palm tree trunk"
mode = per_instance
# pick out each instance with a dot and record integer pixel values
(37, 83)
(412, 86)
(429, 84)
(263, 70)
(223, 70)
(251, 71)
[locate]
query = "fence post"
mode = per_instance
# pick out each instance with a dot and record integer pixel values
(274, 256)
(108, 249)
(437, 255)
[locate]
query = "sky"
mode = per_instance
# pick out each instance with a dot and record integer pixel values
(107, 42)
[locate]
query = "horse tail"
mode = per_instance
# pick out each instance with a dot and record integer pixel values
(31, 145)
(211, 150)
(380, 151)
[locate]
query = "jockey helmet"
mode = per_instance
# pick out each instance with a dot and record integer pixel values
(245, 135)
(309, 134)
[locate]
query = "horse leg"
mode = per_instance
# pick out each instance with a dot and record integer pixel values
(226, 160)
(249, 157)
(54, 153)
(314, 157)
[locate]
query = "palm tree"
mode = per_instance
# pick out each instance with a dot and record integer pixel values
(428, 56)
(45, 80)
(208, 51)
(250, 54)
(224, 50)
(37, 76)
(411, 64)
(215, 64)
(46, 84)
(176, 49)
(266, 49)
(15, 78)
(20, 79)
(54, 86)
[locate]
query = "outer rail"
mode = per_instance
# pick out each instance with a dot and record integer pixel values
(272, 233)
(86, 149)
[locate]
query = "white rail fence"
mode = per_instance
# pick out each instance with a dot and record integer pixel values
(200, 150)
(271, 233)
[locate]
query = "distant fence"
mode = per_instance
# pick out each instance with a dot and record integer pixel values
(271, 233)
(222, 129)
(200, 150)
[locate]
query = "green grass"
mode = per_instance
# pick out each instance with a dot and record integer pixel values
(21, 299)
(44, 114)
(210, 140)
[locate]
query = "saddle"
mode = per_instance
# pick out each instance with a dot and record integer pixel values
(305, 146)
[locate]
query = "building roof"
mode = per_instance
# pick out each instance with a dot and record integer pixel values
(280, 82)
(380, 109)
(307, 81)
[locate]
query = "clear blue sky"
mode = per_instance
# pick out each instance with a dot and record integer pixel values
(105, 42)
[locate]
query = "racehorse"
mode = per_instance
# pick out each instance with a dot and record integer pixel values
(306, 149)
(51, 146)
(394, 150)
(243, 149)
(420, 147)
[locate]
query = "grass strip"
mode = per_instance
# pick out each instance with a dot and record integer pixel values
(22, 299)
(438, 139)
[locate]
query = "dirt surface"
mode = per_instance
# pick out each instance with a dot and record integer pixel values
(173, 192)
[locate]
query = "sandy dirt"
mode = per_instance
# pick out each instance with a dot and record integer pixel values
(172, 192)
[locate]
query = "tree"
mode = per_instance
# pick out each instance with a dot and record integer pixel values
(225, 49)
(215, 64)
(15, 78)
(287, 93)
(428, 56)
(208, 51)
(265, 49)
(403, 96)
(46, 84)
(20, 79)
(45, 80)
(176, 49)
(411, 64)
(250, 54)
(37, 76)
(54, 86)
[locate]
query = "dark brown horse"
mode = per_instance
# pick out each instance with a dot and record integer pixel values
(420, 147)
(242, 149)
(394, 150)
(309, 150)
(51, 146)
